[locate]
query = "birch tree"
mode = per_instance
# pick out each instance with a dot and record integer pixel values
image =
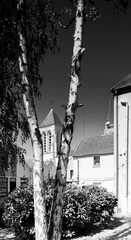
(38, 168)
(33, 30)
(29, 56)
(55, 227)
(37, 145)
(82, 12)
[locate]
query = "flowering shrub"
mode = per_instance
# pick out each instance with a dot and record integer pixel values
(83, 208)
(100, 204)
(19, 213)
(74, 217)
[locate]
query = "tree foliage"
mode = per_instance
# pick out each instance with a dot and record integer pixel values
(41, 30)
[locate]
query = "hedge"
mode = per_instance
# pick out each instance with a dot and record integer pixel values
(83, 207)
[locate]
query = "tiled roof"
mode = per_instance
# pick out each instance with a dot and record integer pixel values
(124, 83)
(72, 151)
(51, 119)
(98, 145)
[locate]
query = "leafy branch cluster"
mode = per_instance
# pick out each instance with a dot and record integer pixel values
(41, 31)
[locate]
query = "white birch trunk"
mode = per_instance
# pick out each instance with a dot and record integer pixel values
(38, 167)
(55, 227)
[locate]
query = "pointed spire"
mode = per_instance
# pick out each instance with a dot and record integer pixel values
(52, 104)
(51, 119)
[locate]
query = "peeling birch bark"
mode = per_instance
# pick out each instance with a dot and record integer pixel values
(55, 226)
(38, 167)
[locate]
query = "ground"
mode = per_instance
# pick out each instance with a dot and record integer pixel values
(119, 229)
(5, 234)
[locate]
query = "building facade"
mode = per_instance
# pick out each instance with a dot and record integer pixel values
(18, 176)
(94, 162)
(122, 143)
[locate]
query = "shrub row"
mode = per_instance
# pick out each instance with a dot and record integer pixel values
(83, 208)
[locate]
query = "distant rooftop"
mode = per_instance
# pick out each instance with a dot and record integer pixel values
(51, 119)
(123, 86)
(98, 145)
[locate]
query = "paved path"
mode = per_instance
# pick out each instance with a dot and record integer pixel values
(5, 234)
(121, 230)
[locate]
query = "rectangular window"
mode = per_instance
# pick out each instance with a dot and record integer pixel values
(3, 188)
(96, 161)
(12, 184)
(71, 174)
(24, 182)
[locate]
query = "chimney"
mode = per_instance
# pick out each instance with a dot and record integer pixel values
(109, 128)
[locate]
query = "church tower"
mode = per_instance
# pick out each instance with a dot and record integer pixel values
(50, 130)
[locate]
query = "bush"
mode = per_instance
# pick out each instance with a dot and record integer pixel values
(74, 217)
(84, 207)
(19, 213)
(1, 213)
(100, 204)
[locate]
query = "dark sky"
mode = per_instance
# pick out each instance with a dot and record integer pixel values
(106, 61)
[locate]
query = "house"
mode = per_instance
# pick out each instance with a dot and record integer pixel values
(106, 160)
(19, 175)
(122, 142)
(94, 161)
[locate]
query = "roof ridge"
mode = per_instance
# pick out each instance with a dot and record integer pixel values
(126, 78)
(98, 136)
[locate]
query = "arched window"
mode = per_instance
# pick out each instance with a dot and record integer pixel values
(49, 140)
(57, 142)
(45, 144)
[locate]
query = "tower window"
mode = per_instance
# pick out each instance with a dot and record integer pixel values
(49, 139)
(71, 174)
(57, 139)
(44, 134)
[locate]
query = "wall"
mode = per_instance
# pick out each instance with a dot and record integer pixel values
(23, 172)
(85, 173)
(122, 150)
(69, 169)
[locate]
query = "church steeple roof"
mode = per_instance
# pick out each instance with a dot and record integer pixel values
(51, 119)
